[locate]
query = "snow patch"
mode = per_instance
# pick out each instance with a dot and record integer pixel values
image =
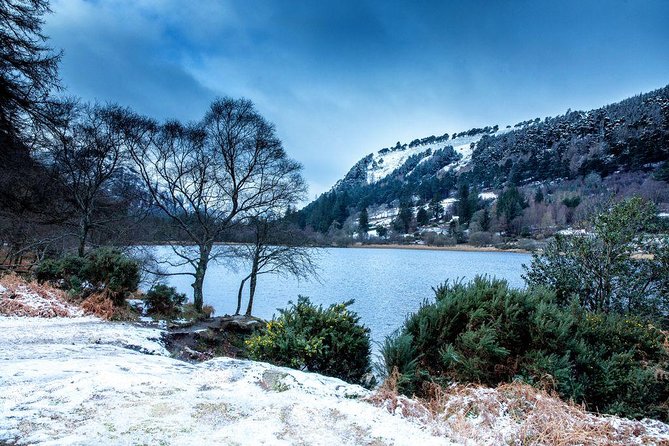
(488, 196)
(19, 297)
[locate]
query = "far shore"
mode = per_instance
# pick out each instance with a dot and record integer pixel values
(459, 247)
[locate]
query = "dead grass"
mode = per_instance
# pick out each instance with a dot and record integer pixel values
(514, 413)
(100, 305)
(20, 297)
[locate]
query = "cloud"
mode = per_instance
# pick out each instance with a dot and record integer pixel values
(341, 79)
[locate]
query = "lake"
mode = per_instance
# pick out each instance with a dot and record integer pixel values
(387, 284)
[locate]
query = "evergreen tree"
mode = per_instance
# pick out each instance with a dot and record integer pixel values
(485, 220)
(403, 220)
(538, 196)
(363, 222)
(436, 208)
(422, 217)
(467, 203)
(341, 208)
(510, 205)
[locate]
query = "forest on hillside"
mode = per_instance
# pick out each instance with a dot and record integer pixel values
(533, 179)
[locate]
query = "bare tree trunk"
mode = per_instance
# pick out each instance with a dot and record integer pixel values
(200, 270)
(84, 228)
(239, 295)
(252, 286)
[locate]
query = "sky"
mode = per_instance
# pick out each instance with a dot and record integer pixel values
(341, 79)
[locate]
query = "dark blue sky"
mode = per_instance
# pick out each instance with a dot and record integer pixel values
(341, 79)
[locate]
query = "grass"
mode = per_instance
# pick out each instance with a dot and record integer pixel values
(514, 413)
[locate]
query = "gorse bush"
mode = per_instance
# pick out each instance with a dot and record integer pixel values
(330, 341)
(485, 332)
(164, 301)
(103, 269)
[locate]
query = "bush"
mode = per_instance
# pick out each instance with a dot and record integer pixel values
(480, 238)
(485, 332)
(164, 300)
(329, 341)
(604, 269)
(103, 269)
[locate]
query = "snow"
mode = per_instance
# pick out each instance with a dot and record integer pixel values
(84, 381)
(571, 231)
(21, 298)
(384, 164)
(382, 216)
(488, 196)
(520, 414)
(447, 203)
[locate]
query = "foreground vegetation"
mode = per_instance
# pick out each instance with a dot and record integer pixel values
(330, 341)
(485, 332)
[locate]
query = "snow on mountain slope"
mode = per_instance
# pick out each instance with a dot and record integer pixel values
(386, 161)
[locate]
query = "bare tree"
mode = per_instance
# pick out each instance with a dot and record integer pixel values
(272, 248)
(86, 155)
(209, 176)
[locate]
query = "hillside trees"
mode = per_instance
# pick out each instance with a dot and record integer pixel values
(209, 176)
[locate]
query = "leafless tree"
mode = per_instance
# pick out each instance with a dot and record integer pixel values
(209, 176)
(87, 156)
(273, 247)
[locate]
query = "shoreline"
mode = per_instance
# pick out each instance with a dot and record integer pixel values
(459, 247)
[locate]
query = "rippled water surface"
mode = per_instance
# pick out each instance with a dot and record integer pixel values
(387, 284)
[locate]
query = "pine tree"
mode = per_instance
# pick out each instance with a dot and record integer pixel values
(363, 222)
(510, 205)
(403, 221)
(485, 220)
(436, 208)
(422, 217)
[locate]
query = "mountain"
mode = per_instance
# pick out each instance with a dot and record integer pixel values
(621, 146)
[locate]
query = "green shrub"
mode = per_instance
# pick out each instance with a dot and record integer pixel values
(113, 271)
(485, 332)
(329, 341)
(603, 269)
(164, 300)
(103, 269)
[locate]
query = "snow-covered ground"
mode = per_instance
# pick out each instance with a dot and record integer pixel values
(83, 381)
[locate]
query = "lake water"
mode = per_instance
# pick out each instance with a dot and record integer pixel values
(387, 284)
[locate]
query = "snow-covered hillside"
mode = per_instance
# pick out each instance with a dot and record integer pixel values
(384, 162)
